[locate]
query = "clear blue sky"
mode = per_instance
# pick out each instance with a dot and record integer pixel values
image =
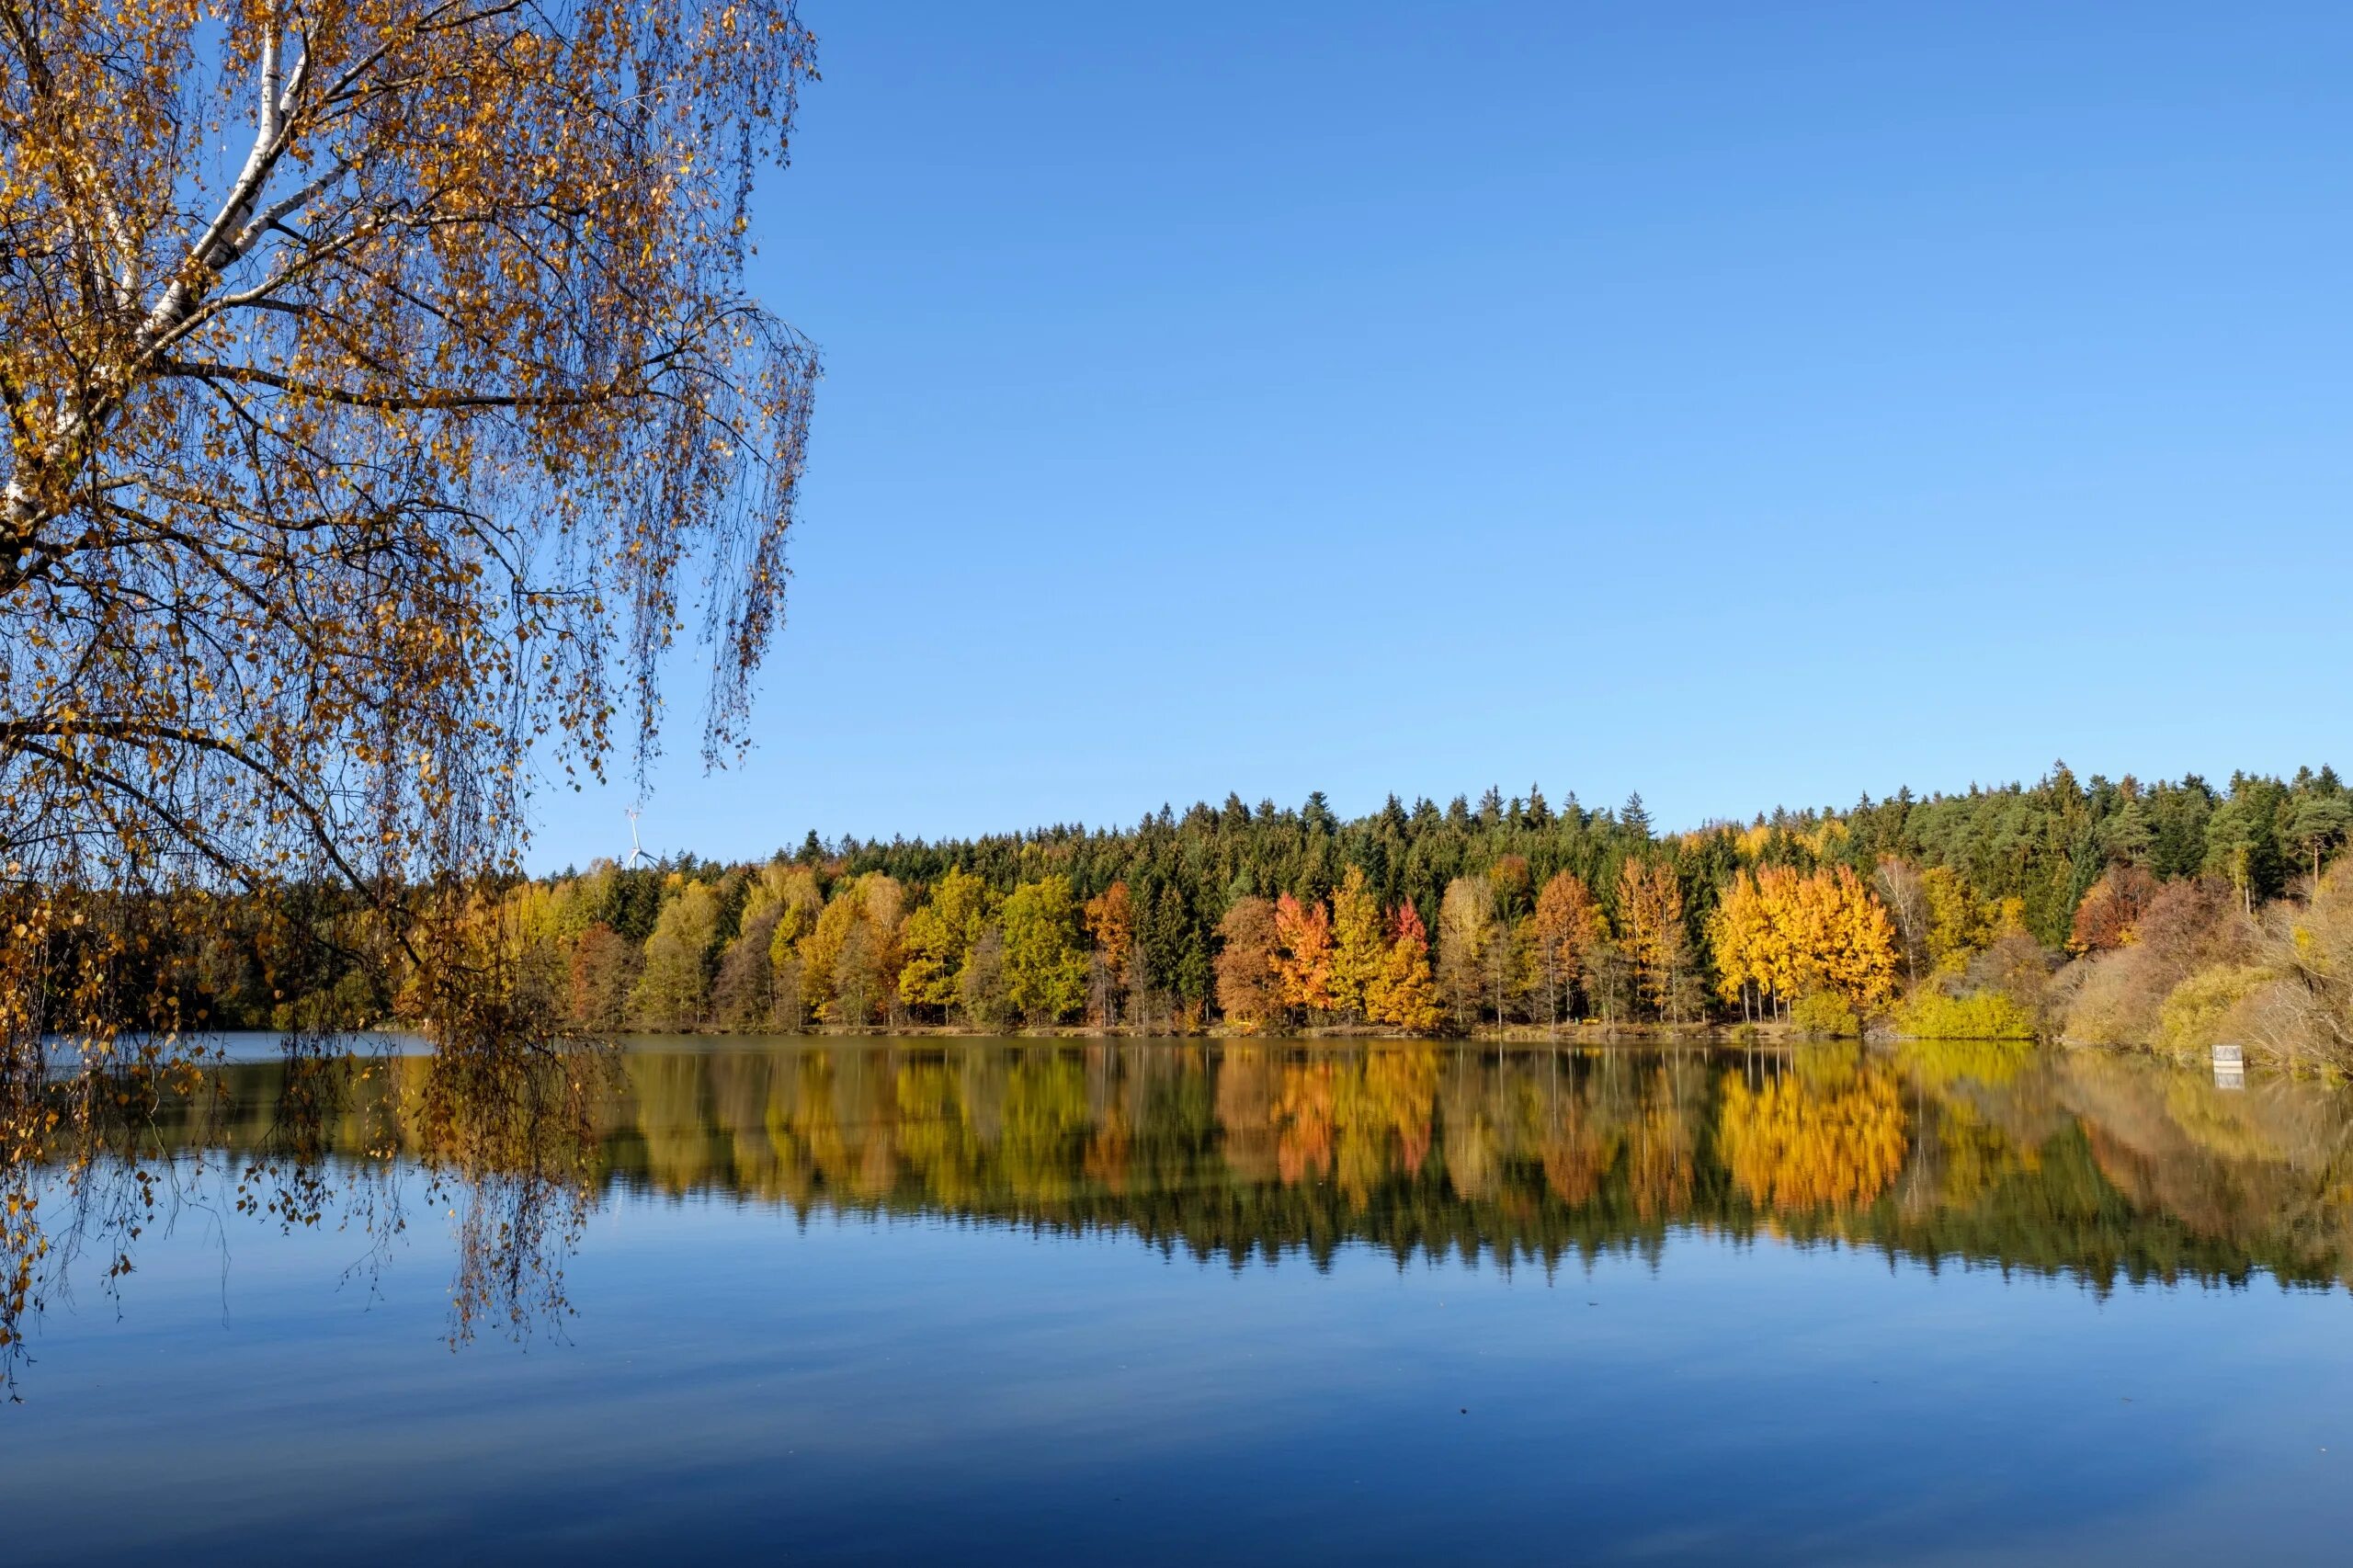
(1741, 403)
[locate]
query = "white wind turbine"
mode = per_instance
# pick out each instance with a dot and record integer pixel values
(636, 851)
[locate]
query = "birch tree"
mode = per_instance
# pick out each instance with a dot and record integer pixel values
(383, 397)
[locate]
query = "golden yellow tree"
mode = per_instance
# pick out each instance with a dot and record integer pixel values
(1402, 995)
(1358, 949)
(1784, 935)
(1737, 932)
(1859, 959)
(850, 961)
(1959, 924)
(1466, 928)
(938, 937)
(1779, 891)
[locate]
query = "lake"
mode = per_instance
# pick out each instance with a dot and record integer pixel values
(1188, 1301)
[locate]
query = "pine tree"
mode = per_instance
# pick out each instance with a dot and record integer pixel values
(1636, 818)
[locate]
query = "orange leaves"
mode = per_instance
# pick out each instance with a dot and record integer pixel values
(1567, 919)
(2109, 916)
(1246, 991)
(1282, 960)
(1110, 922)
(1566, 929)
(1302, 957)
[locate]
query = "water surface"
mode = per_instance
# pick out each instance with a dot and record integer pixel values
(1186, 1302)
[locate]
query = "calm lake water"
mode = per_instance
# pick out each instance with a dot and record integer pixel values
(1187, 1302)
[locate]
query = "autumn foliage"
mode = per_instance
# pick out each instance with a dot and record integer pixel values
(1778, 935)
(1810, 1139)
(1302, 957)
(383, 397)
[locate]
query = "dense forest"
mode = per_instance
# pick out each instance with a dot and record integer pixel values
(2100, 912)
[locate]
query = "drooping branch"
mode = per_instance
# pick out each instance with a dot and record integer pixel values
(346, 484)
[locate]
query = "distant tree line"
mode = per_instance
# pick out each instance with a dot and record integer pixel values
(1996, 912)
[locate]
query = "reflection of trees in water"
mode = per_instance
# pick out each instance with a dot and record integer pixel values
(1829, 1135)
(504, 1139)
(2095, 1167)
(1265, 1147)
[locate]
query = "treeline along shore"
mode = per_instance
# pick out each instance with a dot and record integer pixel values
(2160, 916)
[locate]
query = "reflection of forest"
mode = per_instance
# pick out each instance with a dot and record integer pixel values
(2091, 1164)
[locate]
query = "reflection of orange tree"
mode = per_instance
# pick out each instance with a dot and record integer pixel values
(1108, 1148)
(1808, 1140)
(1046, 1120)
(1364, 1120)
(1578, 1150)
(1245, 1093)
(1663, 1144)
(1303, 1122)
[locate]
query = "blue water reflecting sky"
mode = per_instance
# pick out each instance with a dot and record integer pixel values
(740, 1381)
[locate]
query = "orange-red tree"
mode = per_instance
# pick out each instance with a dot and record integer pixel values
(1303, 960)
(1111, 925)
(2109, 916)
(1567, 924)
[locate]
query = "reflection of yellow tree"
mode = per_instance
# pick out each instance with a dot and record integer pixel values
(1400, 1087)
(1382, 1105)
(2221, 1123)
(1941, 1062)
(935, 1138)
(1973, 1156)
(1473, 1165)
(668, 1091)
(1360, 1159)
(1809, 1139)
(878, 1162)
(813, 1136)
(1045, 1124)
